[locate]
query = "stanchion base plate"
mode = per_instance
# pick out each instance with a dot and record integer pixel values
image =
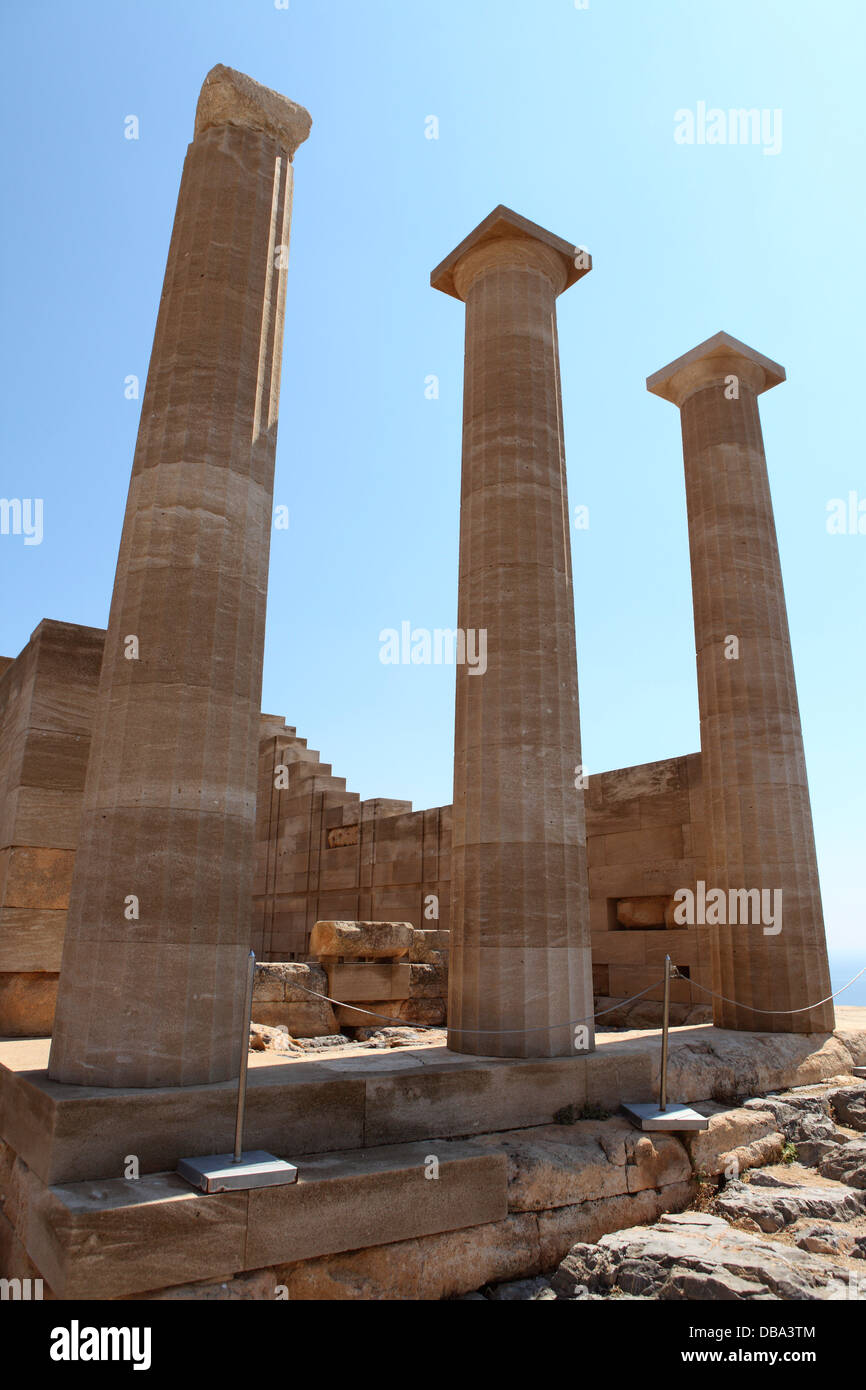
(220, 1173)
(646, 1115)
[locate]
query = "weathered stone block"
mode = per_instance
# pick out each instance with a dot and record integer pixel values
(562, 1227)
(376, 940)
(428, 981)
(432, 1267)
(742, 1136)
(167, 1232)
(27, 1003)
(430, 946)
(311, 1019)
(358, 983)
(31, 939)
(348, 1201)
(37, 878)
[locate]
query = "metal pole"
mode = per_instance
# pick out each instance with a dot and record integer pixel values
(245, 1056)
(663, 1082)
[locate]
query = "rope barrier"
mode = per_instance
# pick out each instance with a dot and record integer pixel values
(781, 1013)
(481, 1032)
(552, 1027)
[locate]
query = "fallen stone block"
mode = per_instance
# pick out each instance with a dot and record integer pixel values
(265, 1039)
(649, 1013)
(312, 1019)
(371, 940)
(725, 1066)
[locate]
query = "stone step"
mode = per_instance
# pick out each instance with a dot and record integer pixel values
(103, 1240)
(294, 1107)
(381, 807)
(309, 767)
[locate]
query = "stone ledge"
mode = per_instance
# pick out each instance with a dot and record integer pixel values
(297, 1106)
(109, 1239)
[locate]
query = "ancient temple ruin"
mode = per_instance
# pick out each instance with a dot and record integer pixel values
(154, 824)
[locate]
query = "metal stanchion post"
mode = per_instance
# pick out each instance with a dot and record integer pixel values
(666, 1010)
(239, 1170)
(647, 1115)
(245, 1058)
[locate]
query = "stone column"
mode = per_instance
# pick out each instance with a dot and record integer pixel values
(520, 949)
(758, 818)
(153, 967)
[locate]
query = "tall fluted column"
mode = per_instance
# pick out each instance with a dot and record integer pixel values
(759, 832)
(151, 982)
(520, 948)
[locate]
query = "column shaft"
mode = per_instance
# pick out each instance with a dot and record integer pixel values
(520, 956)
(759, 832)
(152, 976)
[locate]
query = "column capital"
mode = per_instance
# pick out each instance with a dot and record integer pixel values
(708, 364)
(228, 97)
(504, 237)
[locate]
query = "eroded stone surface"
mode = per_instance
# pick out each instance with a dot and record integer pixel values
(372, 940)
(698, 1256)
(737, 1138)
(847, 1164)
(553, 1166)
(772, 1208)
(229, 97)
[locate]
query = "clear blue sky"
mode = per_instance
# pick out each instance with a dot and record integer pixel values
(566, 115)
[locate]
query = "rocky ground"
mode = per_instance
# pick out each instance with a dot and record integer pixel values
(263, 1038)
(794, 1229)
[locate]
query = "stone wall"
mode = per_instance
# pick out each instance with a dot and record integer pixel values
(324, 854)
(644, 841)
(47, 698)
(529, 1159)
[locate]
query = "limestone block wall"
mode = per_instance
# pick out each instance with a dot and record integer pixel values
(47, 697)
(322, 854)
(325, 854)
(645, 839)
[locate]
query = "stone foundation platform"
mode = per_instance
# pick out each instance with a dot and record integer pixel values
(422, 1174)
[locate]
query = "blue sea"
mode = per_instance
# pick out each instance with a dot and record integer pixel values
(844, 964)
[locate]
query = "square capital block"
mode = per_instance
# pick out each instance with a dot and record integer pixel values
(710, 362)
(503, 225)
